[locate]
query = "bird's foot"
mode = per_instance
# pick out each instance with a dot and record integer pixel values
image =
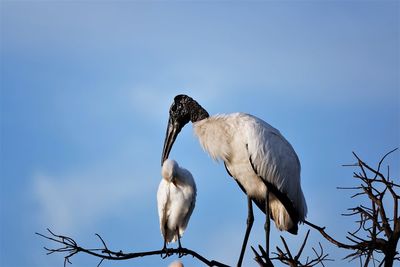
(165, 253)
(180, 252)
(180, 249)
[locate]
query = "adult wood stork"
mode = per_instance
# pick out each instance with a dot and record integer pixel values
(256, 155)
(176, 198)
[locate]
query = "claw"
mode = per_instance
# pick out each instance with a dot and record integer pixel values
(180, 253)
(164, 254)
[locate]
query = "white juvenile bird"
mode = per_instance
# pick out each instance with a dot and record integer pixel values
(176, 198)
(255, 154)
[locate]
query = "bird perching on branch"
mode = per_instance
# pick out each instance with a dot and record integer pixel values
(176, 198)
(256, 155)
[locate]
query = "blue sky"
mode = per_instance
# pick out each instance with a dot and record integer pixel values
(85, 92)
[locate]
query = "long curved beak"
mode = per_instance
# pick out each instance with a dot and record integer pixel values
(173, 130)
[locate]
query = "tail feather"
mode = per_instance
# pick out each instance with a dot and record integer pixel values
(281, 217)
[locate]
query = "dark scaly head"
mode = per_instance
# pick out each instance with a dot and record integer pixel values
(183, 109)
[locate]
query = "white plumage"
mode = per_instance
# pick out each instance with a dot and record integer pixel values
(176, 197)
(255, 154)
(236, 138)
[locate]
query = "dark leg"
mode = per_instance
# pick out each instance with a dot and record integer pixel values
(165, 249)
(267, 227)
(250, 220)
(180, 254)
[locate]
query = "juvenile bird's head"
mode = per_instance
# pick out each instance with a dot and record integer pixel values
(169, 170)
(183, 109)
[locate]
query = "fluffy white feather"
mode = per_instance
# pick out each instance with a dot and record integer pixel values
(235, 138)
(176, 198)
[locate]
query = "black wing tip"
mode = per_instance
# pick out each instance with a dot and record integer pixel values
(294, 230)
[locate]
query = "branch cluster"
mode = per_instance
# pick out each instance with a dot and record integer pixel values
(377, 231)
(286, 257)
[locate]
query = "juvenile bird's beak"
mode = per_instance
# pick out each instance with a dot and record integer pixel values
(173, 130)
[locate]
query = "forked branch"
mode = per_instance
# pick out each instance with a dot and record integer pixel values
(286, 256)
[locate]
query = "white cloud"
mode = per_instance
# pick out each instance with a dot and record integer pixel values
(79, 200)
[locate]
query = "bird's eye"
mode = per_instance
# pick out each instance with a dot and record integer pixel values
(173, 107)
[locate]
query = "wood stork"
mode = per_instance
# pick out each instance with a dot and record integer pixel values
(176, 198)
(255, 154)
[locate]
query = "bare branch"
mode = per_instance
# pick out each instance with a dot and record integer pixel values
(374, 233)
(288, 259)
(329, 238)
(72, 248)
(302, 246)
(259, 258)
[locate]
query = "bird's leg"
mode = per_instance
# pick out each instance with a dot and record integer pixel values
(180, 254)
(165, 250)
(267, 227)
(250, 220)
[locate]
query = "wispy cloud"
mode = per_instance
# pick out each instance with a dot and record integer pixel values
(75, 201)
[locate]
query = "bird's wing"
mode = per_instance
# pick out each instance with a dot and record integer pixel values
(190, 192)
(275, 161)
(163, 205)
(193, 197)
(273, 157)
(185, 220)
